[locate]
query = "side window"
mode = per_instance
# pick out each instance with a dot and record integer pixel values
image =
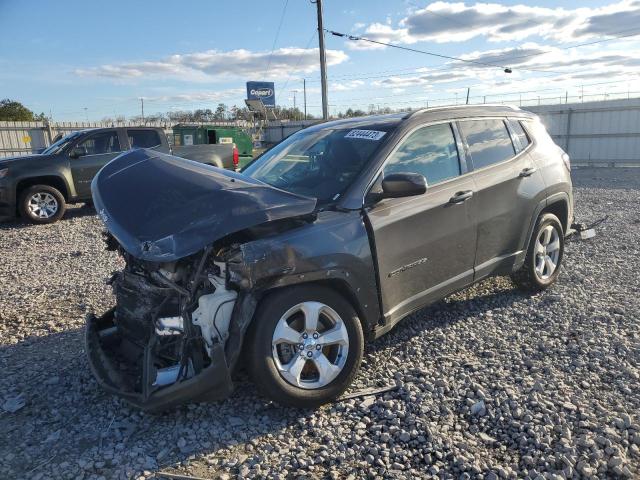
(430, 151)
(489, 141)
(143, 138)
(522, 139)
(106, 142)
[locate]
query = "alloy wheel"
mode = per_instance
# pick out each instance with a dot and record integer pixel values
(310, 345)
(43, 205)
(547, 252)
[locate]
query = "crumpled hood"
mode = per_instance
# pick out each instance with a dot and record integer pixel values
(162, 208)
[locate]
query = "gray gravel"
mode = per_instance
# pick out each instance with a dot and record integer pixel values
(491, 383)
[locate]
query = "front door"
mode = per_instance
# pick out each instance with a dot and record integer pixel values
(425, 245)
(89, 156)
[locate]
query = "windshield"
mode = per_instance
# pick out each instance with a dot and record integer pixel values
(62, 143)
(317, 163)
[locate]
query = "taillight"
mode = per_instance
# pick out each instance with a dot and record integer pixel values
(567, 160)
(236, 156)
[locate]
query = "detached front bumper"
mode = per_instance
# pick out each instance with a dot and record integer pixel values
(103, 343)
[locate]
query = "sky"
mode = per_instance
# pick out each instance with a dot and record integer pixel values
(79, 60)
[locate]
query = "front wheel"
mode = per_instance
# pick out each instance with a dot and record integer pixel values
(41, 204)
(542, 264)
(305, 346)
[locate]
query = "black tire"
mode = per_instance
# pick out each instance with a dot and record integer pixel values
(261, 364)
(26, 197)
(526, 278)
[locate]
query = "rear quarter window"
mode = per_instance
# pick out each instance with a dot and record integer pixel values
(143, 138)
(521, 140)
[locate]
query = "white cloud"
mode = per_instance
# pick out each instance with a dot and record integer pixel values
(212, 96)
(531, 56)
(562, 67)
(214, 64)
(344, 86)
(456, 22)
(428, 77)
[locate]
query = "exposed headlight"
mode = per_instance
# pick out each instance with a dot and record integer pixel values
(4, 172)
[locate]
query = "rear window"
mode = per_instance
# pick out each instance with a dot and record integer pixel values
(521, 138)
(489, 141)
(143, 138)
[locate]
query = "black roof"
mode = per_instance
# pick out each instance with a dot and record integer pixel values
(424, 115)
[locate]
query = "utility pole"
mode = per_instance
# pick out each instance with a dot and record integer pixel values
(86, 115)
(468, 90)
(304, 88)
(295, 114)
(142, 107)
(323, 62)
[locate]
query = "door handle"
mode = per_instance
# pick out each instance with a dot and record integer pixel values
(527, 172)
(460, 197)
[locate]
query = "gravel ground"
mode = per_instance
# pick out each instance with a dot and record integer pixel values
(491, 383)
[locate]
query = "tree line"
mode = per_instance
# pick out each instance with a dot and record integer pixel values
(221, 113)
(12, 110)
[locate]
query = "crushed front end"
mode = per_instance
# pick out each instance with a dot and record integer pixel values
(176, 330)
(164, 342)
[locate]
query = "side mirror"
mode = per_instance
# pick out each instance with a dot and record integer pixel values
(397, 185)
(77, 152)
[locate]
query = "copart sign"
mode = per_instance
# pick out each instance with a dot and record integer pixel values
(262, 91)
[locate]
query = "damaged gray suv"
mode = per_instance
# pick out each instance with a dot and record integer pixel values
(324, 242)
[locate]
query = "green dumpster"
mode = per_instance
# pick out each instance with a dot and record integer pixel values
(192, 134)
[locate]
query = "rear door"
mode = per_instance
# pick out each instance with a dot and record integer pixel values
(146, 138)
(425, 245)
(507, 183)
(94, 151)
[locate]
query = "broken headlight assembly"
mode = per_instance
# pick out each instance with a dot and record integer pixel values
(163, 342)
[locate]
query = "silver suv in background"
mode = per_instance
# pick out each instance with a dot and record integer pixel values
(324, 242)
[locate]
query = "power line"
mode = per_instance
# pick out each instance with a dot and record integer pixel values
(415, 50)
(313, 35)
(476, 62)
(507, 56)
(275, 40)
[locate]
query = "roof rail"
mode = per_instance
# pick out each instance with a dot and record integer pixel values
(497, 106)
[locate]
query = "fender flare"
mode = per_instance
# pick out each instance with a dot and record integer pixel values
(550, 200)
(45, 179)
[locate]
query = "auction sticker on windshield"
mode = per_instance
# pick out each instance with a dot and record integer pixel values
(365, 134)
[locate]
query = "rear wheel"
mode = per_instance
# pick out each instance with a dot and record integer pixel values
(41, 204)
(544, 255)
(305, 346)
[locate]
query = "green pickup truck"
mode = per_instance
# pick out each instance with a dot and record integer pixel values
(38, 187)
